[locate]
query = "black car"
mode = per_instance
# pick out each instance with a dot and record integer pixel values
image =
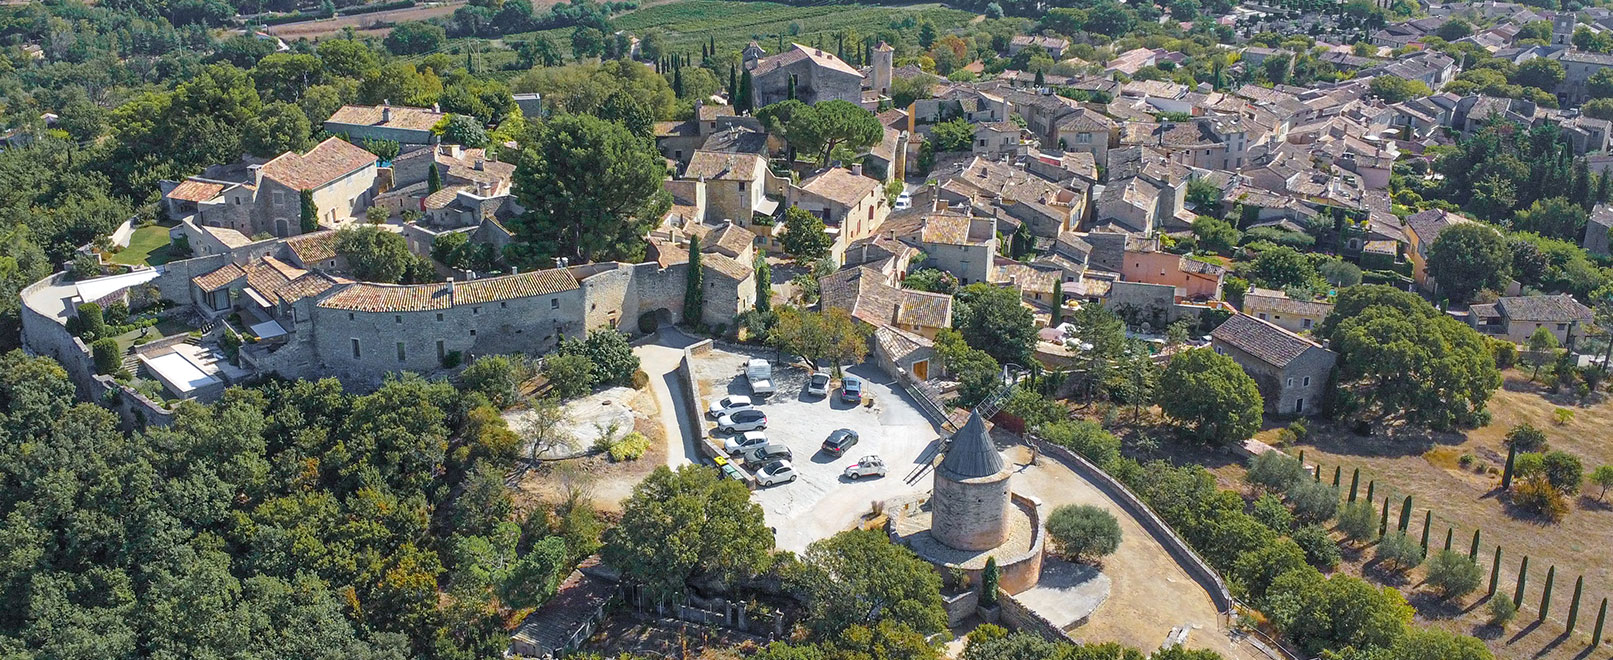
(839, 442)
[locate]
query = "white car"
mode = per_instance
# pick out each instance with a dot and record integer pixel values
(904, 202)
(867, 466)
(729, 405)
(744, 442)
(777, 472)
(818, 385)
(745, 419)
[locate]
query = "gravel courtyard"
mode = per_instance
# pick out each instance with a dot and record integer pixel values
(822, 502)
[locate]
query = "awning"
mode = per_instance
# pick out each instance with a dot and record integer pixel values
(101, 287)
(257, 297)
(767, 207)
(268, 329)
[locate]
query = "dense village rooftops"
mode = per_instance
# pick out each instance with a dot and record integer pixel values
(1560, 308)
(330, 160)
(798, 53)
(372, 297)
(387, 116)
(1263, 340)
(863, 293)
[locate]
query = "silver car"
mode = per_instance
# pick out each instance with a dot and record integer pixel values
(749, 419)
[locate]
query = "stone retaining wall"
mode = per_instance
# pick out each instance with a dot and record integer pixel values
(697, 413)
(1189, 560)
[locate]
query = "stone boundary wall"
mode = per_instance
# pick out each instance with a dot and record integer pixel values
(697, 413)
(43, 335)
(1018, 617)
(1195, 565)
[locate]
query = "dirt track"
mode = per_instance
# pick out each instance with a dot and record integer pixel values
(367, 23)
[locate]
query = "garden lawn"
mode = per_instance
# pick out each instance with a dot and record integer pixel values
(149, 246)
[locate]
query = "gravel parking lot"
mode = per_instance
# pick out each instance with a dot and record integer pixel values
(822, 502)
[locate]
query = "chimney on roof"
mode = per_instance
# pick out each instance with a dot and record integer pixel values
(436, 108)
(450, 291)
(386, 113)
(857, 169)
(481, 164)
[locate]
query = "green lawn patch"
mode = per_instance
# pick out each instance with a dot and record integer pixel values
(149, 245)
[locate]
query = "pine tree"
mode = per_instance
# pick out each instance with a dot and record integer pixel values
(694, 292)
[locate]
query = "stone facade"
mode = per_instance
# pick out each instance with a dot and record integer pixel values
(971, 514)
(1292, 372)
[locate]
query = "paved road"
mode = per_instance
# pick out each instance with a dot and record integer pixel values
(659, 361)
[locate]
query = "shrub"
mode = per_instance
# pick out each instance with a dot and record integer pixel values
(1528, 465)
(641, 380)
(1564, 471)
(1502, 609)
(647, 323)
(1526, 437)
(1314, 501)
(1400, 551)
(91, 324)
(1505, 353)
(630, 447)
(1454, 574)
(105, 351)
(116, 313)
(1083, 531)
(1276, 471)
(1562, 416)
(1358, 520)
(1084, 438)
(613, 359)
(1298, 428)
(1320, 550)
(1538, 495)
(452, 359)
(1271, 512)
(569, 375)
(496, 376)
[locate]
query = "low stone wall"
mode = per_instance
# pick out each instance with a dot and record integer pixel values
(1022, 572)
(960, 606)
(1195, 565)
(697, 413)
(1018, 617)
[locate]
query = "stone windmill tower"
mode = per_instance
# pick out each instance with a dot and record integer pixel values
(970, 503)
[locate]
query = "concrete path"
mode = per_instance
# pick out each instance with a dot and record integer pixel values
(659, 361)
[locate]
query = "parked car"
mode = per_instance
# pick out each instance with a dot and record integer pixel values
(851, 389)
(839, 442)
(744, 441)
(818, 385)
(777, 472)
(768, 452)
(867, 466)
(904, 202)
(749, 419)
(729, 404)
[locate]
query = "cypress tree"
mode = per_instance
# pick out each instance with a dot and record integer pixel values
(764, 285)
(677, 82)
(694, 292)
(1338, 472)
(1383, 522)
(1545, 596)
(1506, 472)
(1058, 302)
(1573, 607)
(1355, 482)
(1473, 552)
(1317, 473)
(989, 577)
(713, 45)
(733, 83)
(308, 220)
(433, 179)
(1302, 458)
(1448, 533)
(790, 92)
(1040, 80)
(1428, 521)
(744, 102)
(1523, 580)
(1601, 618)
(1371, 485)
(1405, 515)
(1495, 571)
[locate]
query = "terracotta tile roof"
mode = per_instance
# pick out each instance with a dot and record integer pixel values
(191, 190)
(402, 117)
(798, 53)
(923, 308)
(946, 230)
(218, 279)
(729, 237)
(306, 286)
(676, 128)
(1254, 303)
(899, 344)
(1028, 278)
(315, 247)
(841, 186)
(1263, 340)
(508, 287)
(725, 266)
(371, 297)
(710, 112)
(718, 166)
(330, 160)
(444, 196)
